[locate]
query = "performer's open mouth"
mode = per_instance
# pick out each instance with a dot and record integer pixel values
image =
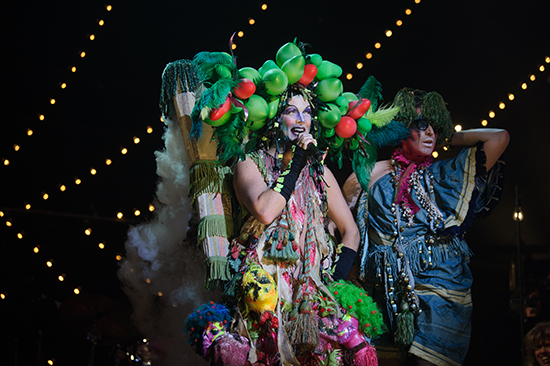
(297, 130)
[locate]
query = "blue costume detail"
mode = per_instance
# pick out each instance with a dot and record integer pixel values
(434, 252)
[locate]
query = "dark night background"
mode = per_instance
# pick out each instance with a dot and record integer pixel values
(472, 52)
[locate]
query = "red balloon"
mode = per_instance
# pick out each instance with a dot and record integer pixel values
(346, 127)
(217, 113)
(310, 70)
(244, 89)
(361, 109)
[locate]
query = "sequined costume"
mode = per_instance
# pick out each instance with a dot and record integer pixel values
(418, 260)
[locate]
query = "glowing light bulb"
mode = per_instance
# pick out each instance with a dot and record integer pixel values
(3, 296)
(16, 147)
(29, 132)
(73, 69)
(1, 213)
(408, 11)
(377, 45)
(349, 76)
(6, 162)
(417, 1)
(19, 236)
(511, 96)
(119, 215)
(368, 56)
(137, 212)
(82, 54)
(161, 119)
(151, 208)
(240, 34)
(101, 22)
(63, 85)
(501, 105)
(49, 263)
(251, 21)
(52, 101)
(77, 181)
(435, 154)
(92, 37)
(76, 291)
(136, 140)
(159, 293)
(359, 66)
(41, 117)
(233, 46)
(62, 188)
(484, 123)
(61, 278)
(45, 196)
(88, 231)
(108, 161)
(28, 206)
(532, 77)
(101, 246)
(124, 151)
(491, 114)
(388, 33)
(8, 223)
(109, 7)
(541, 68)
(547, 59)
(36, 249)
(264, 6)
(148, 280)
(524, 86)
(118, 257)
(399, 23)
(458, 128)
(149, 129)
(93, 171)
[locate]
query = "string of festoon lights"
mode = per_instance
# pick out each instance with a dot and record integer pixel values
(388, 32)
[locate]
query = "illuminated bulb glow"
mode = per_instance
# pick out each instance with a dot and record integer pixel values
(408, 11)
(109, 8)
(28, 206)
(77, 181)
(6, 162)
(491, 114)
(388, 33)
(29, 132)
(136, 140)
(233, 46)
(417, 1)
(45, 196)
(41, 117)
(349, 76)
(76, 291)
(62, 188)
(73, 69)
(547, 59)
(149, 129)
(484, 123)
(161, 119)
(359, 66)
(19, 236)
(8, 223)
(101, 22)
(240, 34)
(3, 296)
(101, 246)
(511, 96)
(124, 151)
(435, 154)
(52, 101)
(118, 257)
(82, 54)
(93, 171)
(541, 68)
(458, 128)
(1, 213)
(148, 280)
(92, 37)
(88, 231)
(264, 6)
(36, 249)
(61, 278)
(159, 293)
(501, 105)
(251, 21)
(399, 23)
(63, 86)
(377, 45)
(532, 77)
(108, 161)
(16, 147)
(151, 208)
(49, 263)
(137, 212)
(368, 56)
(119, 215)
(524, 86)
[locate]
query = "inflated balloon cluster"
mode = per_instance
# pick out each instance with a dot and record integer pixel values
(241, 103)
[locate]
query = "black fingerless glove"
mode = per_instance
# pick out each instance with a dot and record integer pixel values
(345, 261)
(287, 180)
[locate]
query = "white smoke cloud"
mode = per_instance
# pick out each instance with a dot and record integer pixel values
(159, 260)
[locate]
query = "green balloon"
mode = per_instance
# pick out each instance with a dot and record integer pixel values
(251, 74)
(314, 59)
(329, 89)
(257, 111)
(294, 68)
(234, 109)
(330, 117)
(364, 125)
(343, 104)
(286, 52)
(273, 107)
(275, 81)
(328, 132)
(350, 96)
(327, 70)
(268, 65)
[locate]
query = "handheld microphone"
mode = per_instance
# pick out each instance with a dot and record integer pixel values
(314, 152)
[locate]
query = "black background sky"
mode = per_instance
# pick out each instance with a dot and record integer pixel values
(472, 52)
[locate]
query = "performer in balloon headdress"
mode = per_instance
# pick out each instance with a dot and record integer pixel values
(413, 214)
(274, 127)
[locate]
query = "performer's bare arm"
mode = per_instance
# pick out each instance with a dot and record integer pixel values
(494, 141)
(340, 214)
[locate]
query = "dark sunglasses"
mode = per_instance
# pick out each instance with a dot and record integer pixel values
(420, 124)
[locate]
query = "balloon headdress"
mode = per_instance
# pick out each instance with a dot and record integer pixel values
(417, 104)
(244, 106)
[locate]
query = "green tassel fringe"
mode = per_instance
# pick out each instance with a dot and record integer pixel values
(279, 243)
(216, 225)
(217, 272)
(404, 333)
(208, 177)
